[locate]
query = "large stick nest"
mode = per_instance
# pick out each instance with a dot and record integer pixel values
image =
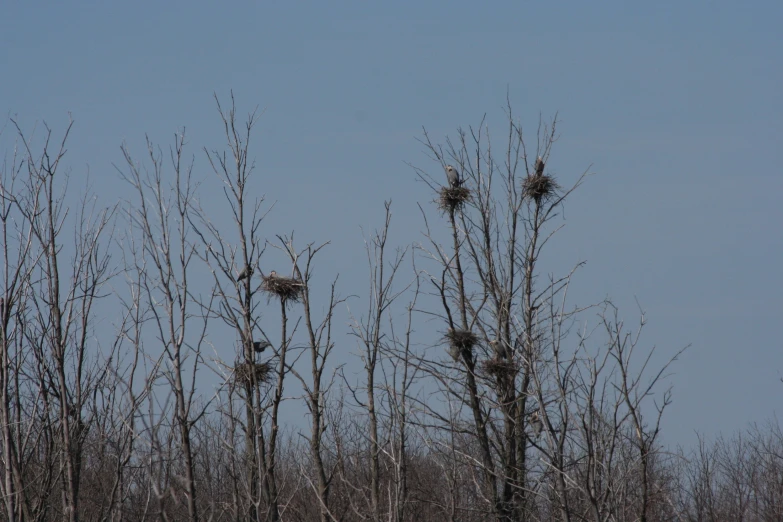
(452, 198)
(252, 373)
(461, 342)
(286, 288)
(539, 187)
(498, 367)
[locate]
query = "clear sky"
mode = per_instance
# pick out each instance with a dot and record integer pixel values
(676, 105)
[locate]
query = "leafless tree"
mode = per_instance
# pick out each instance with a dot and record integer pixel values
(18, 248)
(233, 266)
(400, 375)
(735, 477)
(520, 371)
(61, 313)
(161, 216)
(388, 375)
(319, 346)
(486, 283)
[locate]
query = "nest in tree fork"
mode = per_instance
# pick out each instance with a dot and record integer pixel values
(539, 187)
(252, 373)
(498, 367)
(452, 198)
(286, 288)
(460, 342)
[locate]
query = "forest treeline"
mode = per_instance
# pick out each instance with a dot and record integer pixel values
(528, 408)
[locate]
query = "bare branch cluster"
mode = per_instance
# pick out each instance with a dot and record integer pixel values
(524, 407)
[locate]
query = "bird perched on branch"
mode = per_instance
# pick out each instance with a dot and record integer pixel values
(536, 424)
(499, 348)
(453, 176)
(453, 349)
(539, 166)
(260, 346)
(245, 273)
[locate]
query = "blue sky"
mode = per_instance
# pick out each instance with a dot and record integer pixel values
(676, 105)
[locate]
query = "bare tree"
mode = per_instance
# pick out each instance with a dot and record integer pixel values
(497, 218)
(526, 382)
(319, 345)
(17, 249)
(161, 217)
(62, 303)
(233, 266)
(400, 374)
(387, 376)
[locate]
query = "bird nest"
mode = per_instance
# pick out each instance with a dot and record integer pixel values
(498, 367)
(460, 341)
(452, 198)
(286, 288)
(252, 373)
(539, 187)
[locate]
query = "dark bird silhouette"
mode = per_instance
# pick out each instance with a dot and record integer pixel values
(245, 273)
(260, 346)
(539, 166)
(453, 176)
